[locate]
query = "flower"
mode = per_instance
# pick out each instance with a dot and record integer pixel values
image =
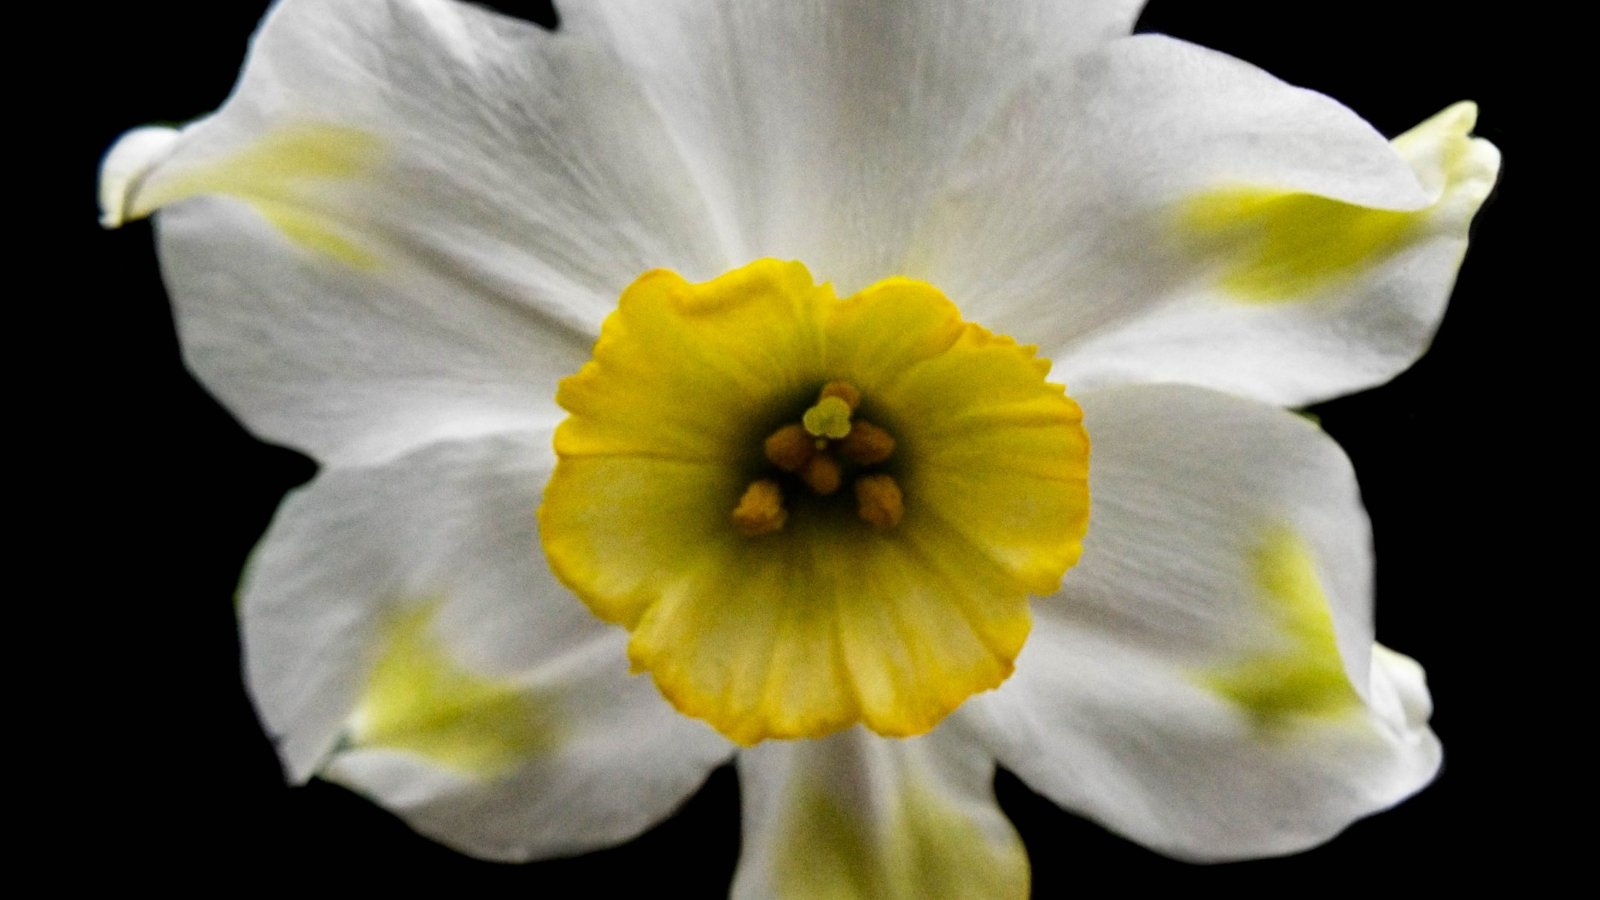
(422, 485)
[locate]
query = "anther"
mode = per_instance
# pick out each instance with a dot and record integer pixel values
(790, 448)
(822, 474)
(844, 390)
(879, 501)
(760, 510)
(866, 444)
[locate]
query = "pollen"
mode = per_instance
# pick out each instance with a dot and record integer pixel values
(879, 501)
(790, 448)
(866, 444)
(844, 390)
(823, 474)
(760, 510)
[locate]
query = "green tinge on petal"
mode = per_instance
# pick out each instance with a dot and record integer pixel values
(1304, 675)
(279, 175)
(1285, 246)
(419, 700)
(314, 233)
(924, 848)
(1273, 245)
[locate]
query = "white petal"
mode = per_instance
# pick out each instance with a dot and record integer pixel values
(1108, 192)
(407, 222)
(347, 365)
(1177, 689)
(125, 167)
(436, 554)
(856, 815)
(819, 128)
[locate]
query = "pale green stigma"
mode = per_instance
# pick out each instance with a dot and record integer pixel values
(830, 418)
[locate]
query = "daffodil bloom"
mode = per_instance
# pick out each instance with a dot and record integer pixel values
(871, 393)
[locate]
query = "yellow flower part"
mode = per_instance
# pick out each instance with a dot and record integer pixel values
(813, 513)
(419, 700)
(922, 849)
(275, 174)
(1305, 676)
(1291, 245)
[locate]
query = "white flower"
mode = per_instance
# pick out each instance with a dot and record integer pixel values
(411, 219)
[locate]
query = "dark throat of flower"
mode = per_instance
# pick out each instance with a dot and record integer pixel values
(829, 447)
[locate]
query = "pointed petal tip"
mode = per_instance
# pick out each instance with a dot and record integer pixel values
(124, 169)
(1448, 158)
(1459, 117)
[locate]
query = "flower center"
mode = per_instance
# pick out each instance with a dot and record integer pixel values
(821, 452)
(810, 512)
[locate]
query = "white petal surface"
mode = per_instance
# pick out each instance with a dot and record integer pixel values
(1186, 217)
(1183, 689)
(407, 222)
(856, 815)
(404, 637)
(820, 128)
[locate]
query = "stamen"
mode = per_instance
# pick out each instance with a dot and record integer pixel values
(844, 390)
(760, 510)
(830, 418)
(822, 474)
(790, 448)
(866, 444)
(879, 501)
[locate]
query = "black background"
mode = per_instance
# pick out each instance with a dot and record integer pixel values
(162, 772)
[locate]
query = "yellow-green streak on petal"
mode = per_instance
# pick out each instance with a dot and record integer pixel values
(313, 233)
(278, 175)
(1283, 246)
(418, 699)
(1305, 675)
(925, 849)
(1277, 246)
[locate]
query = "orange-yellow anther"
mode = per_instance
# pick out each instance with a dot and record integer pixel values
(879, 501)
(760, 510)
(790, 447)
(844, 390)
(822, 474)
(866, 444)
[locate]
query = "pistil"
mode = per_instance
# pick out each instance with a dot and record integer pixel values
(830, 418)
